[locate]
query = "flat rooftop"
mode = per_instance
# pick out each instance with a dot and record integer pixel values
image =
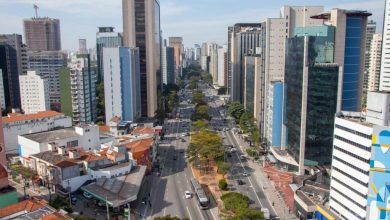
(357, 117)
(49, 136)
(120, 190)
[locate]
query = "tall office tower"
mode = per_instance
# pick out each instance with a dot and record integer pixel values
(83, 46)
(105, 37)
(375, 62)
(141, 28)
(168, 65)
(34, 92)
(214, 63)
(350, 44)
(276, 134)
(2, 95)
(312, 85)
(384, 84)
(197, 52)
(359, 187)
(277, 31)
(254, 87)
(370, 31)
(222, 65)
(243, 39)
(81, 90)
(48, 64)
(122, 83)
(177, 44)
(204, 57)
(12, 64)
(42, 34)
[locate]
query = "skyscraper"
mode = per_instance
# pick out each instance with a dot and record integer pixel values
(311, 79)
(34, 93)
(350, 44)
(370, 31)
(12, 64)
(384, 84)
(42, 34)
(222, 65)
(78, 89)
(106, 37)
(121, 83)
(214, 63)
(177, 44)
(2, 97)
(48, 64)
(83, 46)
(243, 39)
(168, 65)
(374, 67)
(141, 28)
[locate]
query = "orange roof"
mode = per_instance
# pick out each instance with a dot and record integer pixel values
(14, 117)
(143, 130)
(104, 128)
(139, 145)
(30, 205)
(54, 216)
(65, 163)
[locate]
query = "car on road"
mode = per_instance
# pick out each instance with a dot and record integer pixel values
(183, 135)
(87, 195)
(242, 157)
(73, 199)
(240, 182)
(174, 157)
(183, 140)
(245, 174)
(233, 150)
(188, 194)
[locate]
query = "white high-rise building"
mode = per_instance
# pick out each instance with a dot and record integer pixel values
(213, 69)
(222, 65)
(122, 83)
(374, 68)
(384, 84)
(34, 92)
(359, 187)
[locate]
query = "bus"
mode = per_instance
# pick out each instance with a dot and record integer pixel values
(200, 194)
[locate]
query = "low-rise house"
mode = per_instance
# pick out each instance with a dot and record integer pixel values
(143, 151)
(15, 124)
(87, 136)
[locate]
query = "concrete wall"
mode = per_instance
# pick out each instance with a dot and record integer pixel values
(111, 173)
(76, 182)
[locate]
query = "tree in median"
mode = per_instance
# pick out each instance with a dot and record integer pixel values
(197, 97)
(236, 110)
(222, 184)
(239, 205)
(198, 125)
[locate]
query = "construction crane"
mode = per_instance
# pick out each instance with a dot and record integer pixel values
(36, 10)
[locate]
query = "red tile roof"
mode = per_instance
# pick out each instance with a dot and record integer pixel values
(104, 128)
(30, 205)
(139, 145)
(65, 163)
(54, 216)
(14, 117)
(143, 130)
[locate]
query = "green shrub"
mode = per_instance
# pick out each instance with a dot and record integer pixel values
(234, 201)
(223, 184)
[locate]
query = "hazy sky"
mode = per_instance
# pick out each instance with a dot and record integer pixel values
(195, 20)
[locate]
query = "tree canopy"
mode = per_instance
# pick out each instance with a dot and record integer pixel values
(198, 125)
(206, 144)
(236, 110)
(197, 97)
(239, 205)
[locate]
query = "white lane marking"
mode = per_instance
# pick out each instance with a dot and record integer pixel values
(188, 210)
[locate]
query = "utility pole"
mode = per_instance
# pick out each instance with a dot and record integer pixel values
(36, 10)
(108, 213)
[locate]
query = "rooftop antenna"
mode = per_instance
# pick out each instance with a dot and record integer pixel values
(36, 10)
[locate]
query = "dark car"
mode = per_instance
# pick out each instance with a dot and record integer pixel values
(174, 157)
(240, 182)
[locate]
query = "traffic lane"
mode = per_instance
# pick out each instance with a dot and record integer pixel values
(259, 190)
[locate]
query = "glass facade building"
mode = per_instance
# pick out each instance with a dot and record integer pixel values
(249, 83)
(311, 89)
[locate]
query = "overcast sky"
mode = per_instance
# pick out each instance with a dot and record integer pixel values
(196, 21)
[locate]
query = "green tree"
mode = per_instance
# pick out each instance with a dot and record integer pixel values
(198, 125)
(234, 201)
(168, 217)
(173, 100)
(202, 109)
(222, 184)
(236, 110)
(247, 214)
(100, 106)
(223, 167)
(206, 77)
(197, 97)
(247, 122)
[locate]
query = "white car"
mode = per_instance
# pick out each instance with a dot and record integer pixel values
(245, 174)
(233, 150)
(183, 135)
(188, 194)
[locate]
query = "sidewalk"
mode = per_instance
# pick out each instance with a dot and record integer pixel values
(273, 196)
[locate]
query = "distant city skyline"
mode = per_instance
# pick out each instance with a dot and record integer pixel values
(195, 21)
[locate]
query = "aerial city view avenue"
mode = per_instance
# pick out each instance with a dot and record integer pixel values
(195, 110)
